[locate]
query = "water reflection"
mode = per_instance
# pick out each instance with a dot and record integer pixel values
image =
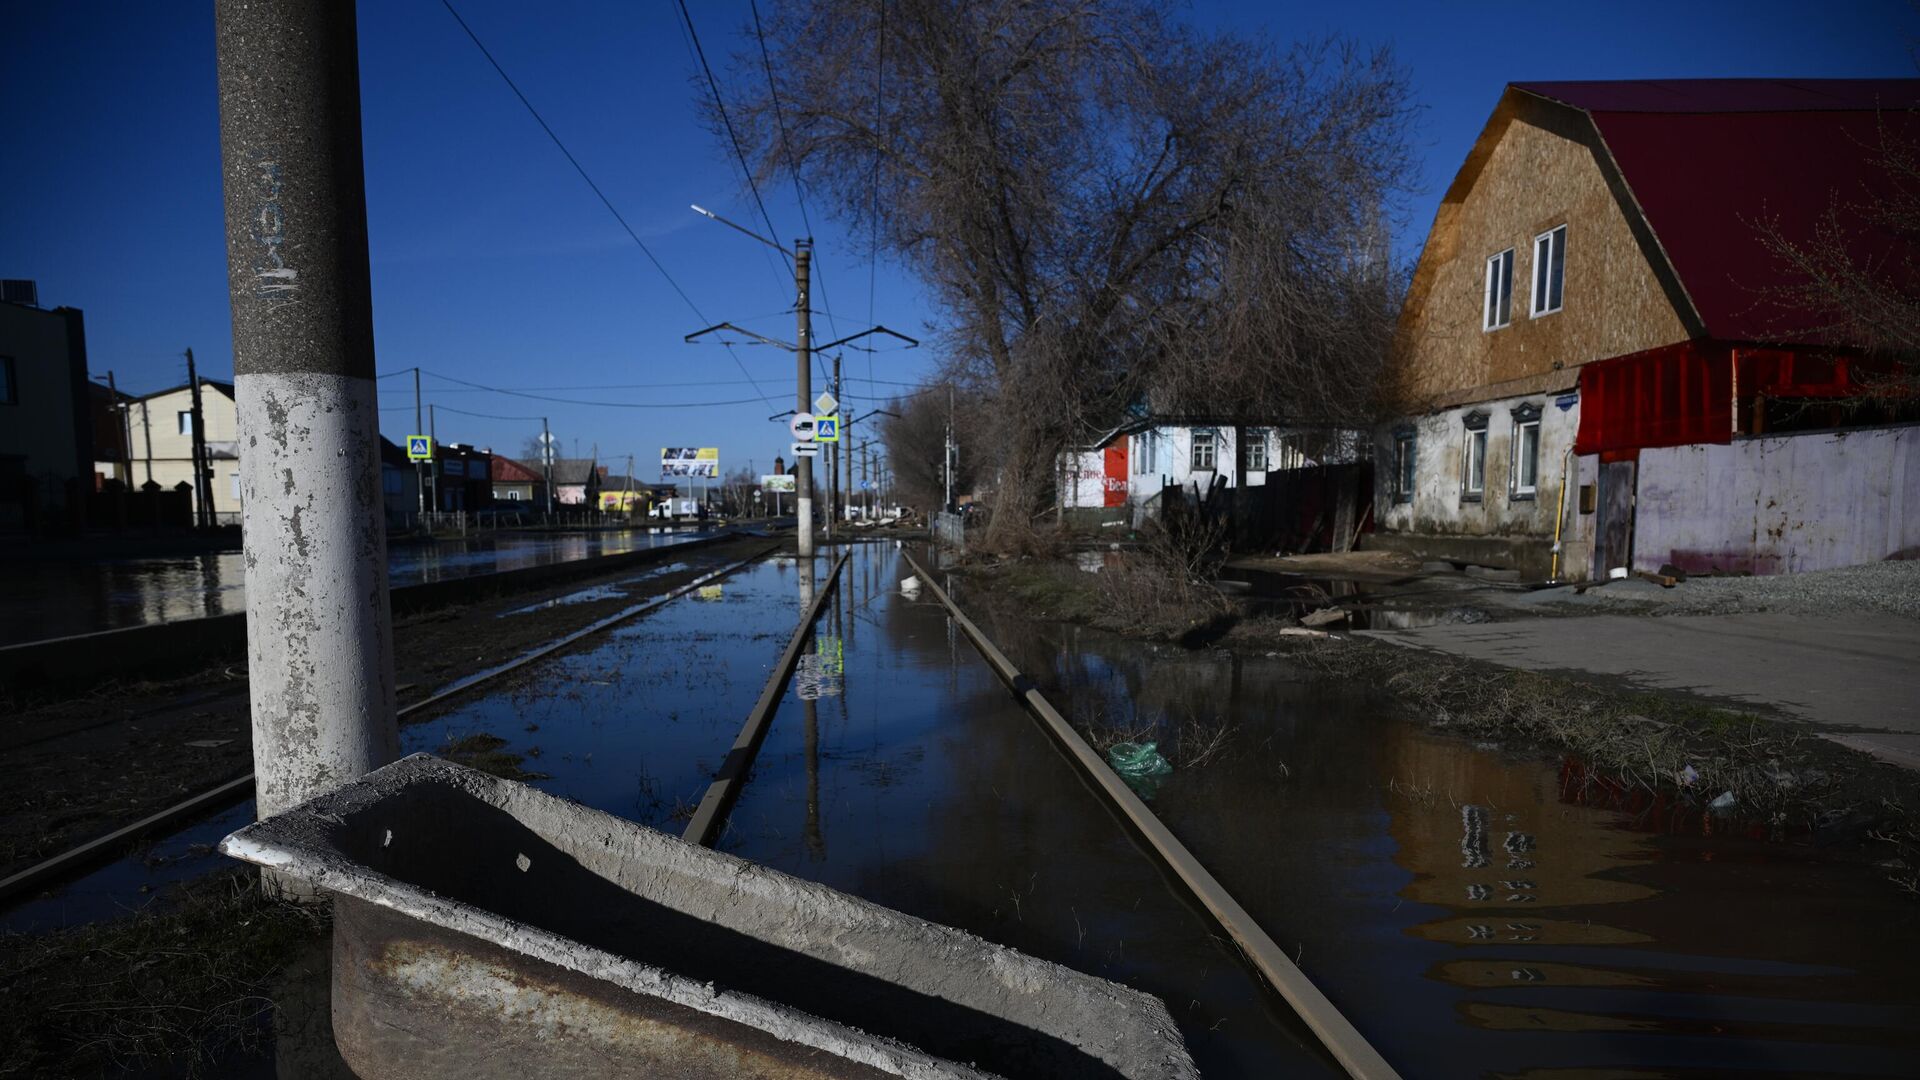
(55, 599)
(1472, 915)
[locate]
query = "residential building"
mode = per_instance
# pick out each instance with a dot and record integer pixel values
(161, 425)
(46, 430)
(1132, 464)
(399, 484)
(462, 478)
(576, 482)
(1596, 346)
(106, 416)
(517, 485)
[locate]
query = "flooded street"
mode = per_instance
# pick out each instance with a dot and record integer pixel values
(1471, 919)
(1459, 903)
(51, 599)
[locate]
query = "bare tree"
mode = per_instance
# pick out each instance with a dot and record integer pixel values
(1111, 208)
(1852, 277)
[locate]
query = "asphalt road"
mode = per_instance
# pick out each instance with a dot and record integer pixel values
(1855, 678)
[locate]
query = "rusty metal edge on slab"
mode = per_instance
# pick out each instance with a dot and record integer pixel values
(1335, 1032)
(51, 870)
(321, 842)
(720, 794)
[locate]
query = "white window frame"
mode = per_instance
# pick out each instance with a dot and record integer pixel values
(1208, 441)
(1406, 464)
(184, 418)
(1549, 271)
(1530, 461)
(1256, 451)
(1496, 303)
(1473, 465)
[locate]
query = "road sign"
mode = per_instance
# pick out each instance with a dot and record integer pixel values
(802, 426)
(826, 429)
(806, 449)
(419, 448)
(866, 485)
(825, 403)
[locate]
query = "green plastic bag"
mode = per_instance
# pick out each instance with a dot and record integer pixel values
(1140, 765)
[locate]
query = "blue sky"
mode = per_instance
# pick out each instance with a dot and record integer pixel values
(492, 262)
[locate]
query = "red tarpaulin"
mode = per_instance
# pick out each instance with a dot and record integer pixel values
(1682, 394)
(1115, 460)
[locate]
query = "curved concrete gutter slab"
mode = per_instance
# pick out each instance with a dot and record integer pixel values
(490, 929)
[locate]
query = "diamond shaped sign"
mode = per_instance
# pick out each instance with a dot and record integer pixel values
(826, 404)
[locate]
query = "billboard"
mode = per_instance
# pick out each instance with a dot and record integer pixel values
(690, 461)
(779, 482)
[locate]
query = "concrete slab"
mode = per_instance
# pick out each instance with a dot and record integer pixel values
(1859, 674)
(479, 919)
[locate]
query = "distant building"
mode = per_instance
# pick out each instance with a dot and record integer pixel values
(518, 485)
(623, 493)
(46, 429)
(462, 478)
(1132, 464)
(161, 425)
(107, 413)
(1598, 356)
(399, 484)
(576, 482)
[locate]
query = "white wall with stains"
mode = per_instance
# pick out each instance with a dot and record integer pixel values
(1780, 504)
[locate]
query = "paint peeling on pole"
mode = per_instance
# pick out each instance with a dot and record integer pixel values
(319, 631)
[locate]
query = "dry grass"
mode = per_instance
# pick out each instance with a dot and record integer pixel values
(183, 989)
(1163, 590)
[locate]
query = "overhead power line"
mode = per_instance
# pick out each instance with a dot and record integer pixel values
(604, 201)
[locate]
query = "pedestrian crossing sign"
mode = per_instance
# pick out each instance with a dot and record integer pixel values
(419, 448)
(826, 429)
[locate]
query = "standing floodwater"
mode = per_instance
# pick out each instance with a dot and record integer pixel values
(58, 598)
(1470, 915)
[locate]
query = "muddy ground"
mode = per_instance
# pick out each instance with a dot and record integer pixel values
(83, 765)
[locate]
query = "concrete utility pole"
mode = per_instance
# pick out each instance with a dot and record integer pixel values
(419, 467)
(802, 255)
(202, 490)
(319, 629)
(803, 356)
(546, 460)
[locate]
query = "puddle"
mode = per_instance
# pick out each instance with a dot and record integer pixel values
(922, 785)
(610, 591)
(132, 883)
(1470, 913)
(59, 598)
(637, 722)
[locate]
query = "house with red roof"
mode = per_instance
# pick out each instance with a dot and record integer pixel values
(1601, 367)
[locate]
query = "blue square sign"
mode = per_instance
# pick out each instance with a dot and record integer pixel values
(826, 429)
(419, 448)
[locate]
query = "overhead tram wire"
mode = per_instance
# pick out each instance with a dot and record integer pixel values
(599, 404)
(873, 201)
(604, 201)
(746, 170)
(793, 167)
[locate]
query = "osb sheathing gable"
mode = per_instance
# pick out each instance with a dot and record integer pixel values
(1536, 166)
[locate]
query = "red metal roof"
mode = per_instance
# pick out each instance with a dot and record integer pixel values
(1709, 160)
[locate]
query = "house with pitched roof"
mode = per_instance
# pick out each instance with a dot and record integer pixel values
(1600, 365)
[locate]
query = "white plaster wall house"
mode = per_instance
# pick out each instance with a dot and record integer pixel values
(160, 426)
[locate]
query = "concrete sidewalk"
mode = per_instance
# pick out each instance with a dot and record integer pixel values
(1856, 679)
